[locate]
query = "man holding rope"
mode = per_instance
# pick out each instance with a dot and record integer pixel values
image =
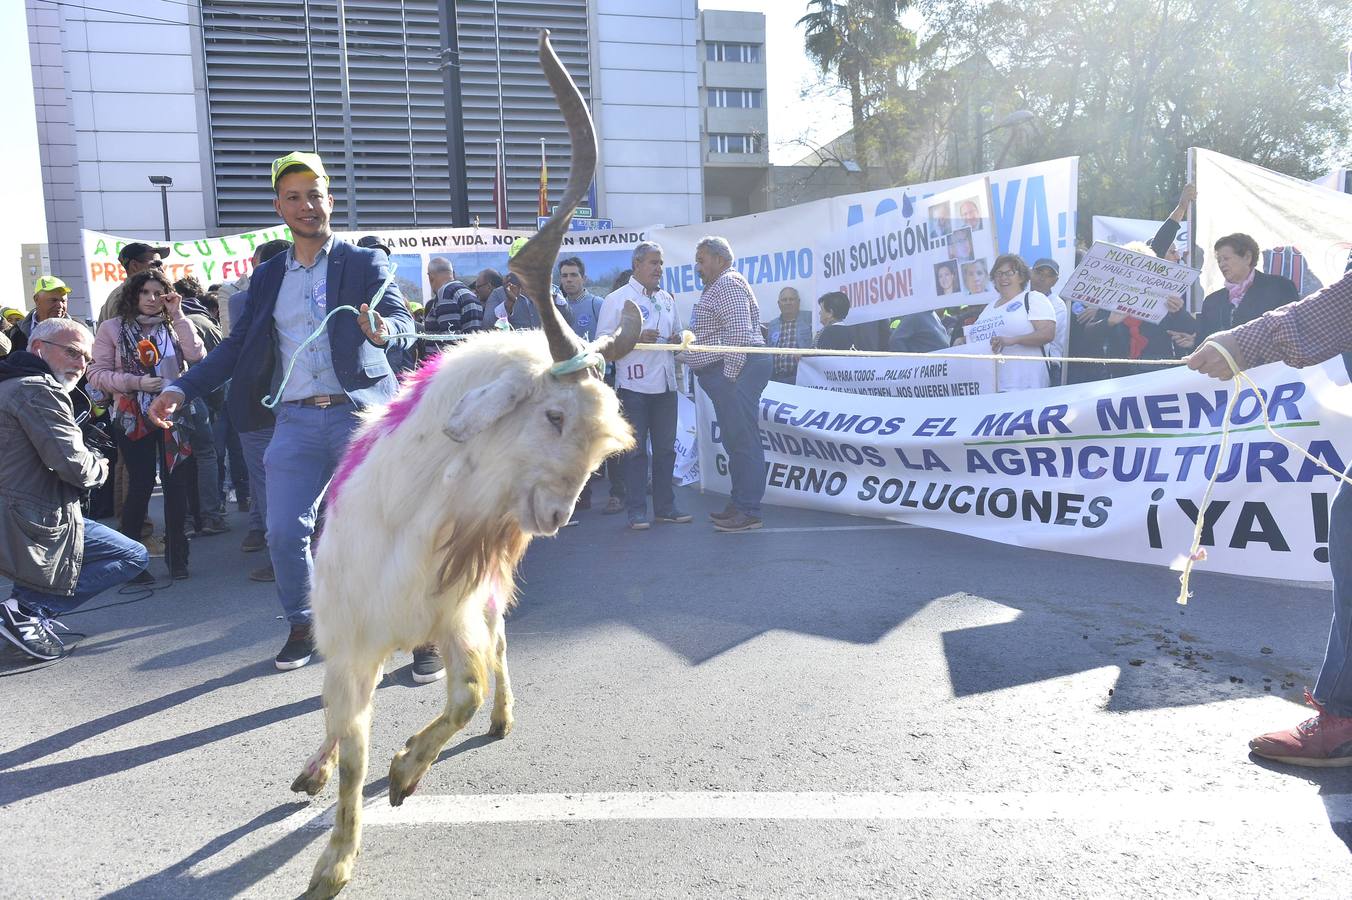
(1306, 333)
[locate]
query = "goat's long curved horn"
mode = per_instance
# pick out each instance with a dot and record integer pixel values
(618, 343)
(534, 263)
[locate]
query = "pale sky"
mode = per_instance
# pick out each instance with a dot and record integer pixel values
(817, 118)
(23, 221)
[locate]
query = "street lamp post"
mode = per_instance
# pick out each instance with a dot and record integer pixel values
(163, 182)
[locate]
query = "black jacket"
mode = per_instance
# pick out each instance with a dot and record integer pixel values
(1266, 293)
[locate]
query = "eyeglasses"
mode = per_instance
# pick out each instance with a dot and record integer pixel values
(73, 352)
(1004, 273)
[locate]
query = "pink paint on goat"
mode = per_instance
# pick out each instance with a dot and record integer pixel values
(400, 408)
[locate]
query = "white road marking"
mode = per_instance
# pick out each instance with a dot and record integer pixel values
(1229, 807)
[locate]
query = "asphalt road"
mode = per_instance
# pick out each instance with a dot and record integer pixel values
(830, 707)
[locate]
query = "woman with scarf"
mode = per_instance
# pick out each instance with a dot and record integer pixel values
(1248, 293)
(146, 345)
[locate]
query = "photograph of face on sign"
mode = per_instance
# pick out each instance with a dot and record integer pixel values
(960, 245)
(946, 278)
(969, 213)
(940, 219)
(975, 277)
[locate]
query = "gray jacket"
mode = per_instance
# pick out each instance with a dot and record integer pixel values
(44, 467)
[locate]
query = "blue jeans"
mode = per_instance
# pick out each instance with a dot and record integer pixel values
(307, 444)
(1333, 689)
(255, 444)
(737, 409)
(110, 559)
(209, 498)
(650, 415)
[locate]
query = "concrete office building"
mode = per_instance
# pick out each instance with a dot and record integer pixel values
(734, 119)
(209, 94)
(35, 262)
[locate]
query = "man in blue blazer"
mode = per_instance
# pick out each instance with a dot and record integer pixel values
(332, 379)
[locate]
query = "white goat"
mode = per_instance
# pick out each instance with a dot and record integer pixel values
(433, 506)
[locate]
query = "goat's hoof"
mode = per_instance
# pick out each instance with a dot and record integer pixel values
(405, 773)
(329, 878)
(311, 782)
(499, 728)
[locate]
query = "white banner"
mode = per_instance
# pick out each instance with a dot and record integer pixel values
(937, 253)
(901, 377)
(604, 254)
(1137, 284)
(1033, 206)
(687, 433)
(1117, 230)
(1313, 223)
(1112, 469)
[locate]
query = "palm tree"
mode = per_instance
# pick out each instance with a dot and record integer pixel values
(853, 41)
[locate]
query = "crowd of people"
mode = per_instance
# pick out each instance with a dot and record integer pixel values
(220, 396)
(169, 388)
(1042, 323)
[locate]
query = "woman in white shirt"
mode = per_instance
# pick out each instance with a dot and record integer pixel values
(1021, 323)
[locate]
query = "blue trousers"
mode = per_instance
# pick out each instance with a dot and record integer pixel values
(737, 408)
(651, 416)
(110, 559)
(306, 445)
(255, 444)
(1333, 689)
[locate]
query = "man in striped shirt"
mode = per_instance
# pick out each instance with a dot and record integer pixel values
(1306, 333)
(726, 314)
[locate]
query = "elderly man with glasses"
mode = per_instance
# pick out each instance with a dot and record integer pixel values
(56, 559)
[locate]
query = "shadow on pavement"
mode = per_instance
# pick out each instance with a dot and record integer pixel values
(177, 880)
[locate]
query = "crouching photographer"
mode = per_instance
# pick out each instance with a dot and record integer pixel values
(56, 558)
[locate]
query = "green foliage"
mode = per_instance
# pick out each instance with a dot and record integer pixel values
(1126, 85)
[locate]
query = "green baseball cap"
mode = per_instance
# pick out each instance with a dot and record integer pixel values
(50, 283)
(298, 159)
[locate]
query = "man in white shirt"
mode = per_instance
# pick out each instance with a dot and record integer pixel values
(646, 383)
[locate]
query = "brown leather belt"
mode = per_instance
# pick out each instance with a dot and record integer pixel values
(323, 401)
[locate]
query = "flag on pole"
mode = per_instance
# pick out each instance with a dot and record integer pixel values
(544, 181)
(500, 187)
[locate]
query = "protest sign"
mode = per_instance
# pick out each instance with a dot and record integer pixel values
(1112, 469)
(1303, 229)
(470, 250)
(933, 253)
(211, 260)
(1033, 208)
(1124, 281)
(902, 377)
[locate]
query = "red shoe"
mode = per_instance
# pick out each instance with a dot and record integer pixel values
(1324, 741)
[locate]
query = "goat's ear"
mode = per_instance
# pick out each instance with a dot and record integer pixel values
(484, 405)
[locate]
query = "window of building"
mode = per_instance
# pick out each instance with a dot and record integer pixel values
(735, 98)
(719, 51)
(734, 143)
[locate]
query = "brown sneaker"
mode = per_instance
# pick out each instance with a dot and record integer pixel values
(254, 541)
(263, 574)
(728, 512)
(1324, 741)
(739, 522)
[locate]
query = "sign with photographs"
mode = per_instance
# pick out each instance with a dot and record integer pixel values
(1124, 281)
(929, 253)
